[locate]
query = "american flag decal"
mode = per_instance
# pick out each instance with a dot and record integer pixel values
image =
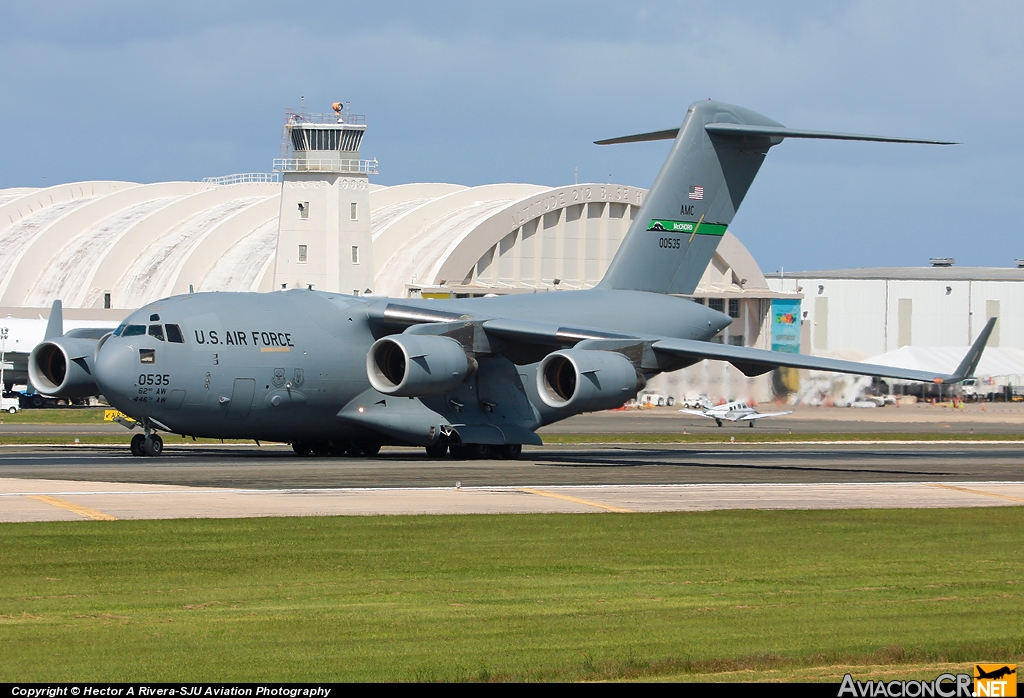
(696, 193)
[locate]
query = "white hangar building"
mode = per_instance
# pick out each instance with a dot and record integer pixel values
(120, 245)
(869, 312)
(106, 247)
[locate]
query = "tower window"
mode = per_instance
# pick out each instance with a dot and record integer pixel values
(303, 209)
(716, 304)
(734, 307)
(354, 210)
(106, 300)
(302, 253)
(355, 252)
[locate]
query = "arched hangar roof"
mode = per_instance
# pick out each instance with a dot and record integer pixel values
(140, 242)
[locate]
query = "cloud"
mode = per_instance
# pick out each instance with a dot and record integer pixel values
(481, 93)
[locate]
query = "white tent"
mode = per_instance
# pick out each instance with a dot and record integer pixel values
(996, 361)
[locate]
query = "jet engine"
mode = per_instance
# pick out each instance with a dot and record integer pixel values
(407, 365)
(585, 380)
(62, 367)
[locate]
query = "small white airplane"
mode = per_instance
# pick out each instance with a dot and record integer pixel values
(733, 412)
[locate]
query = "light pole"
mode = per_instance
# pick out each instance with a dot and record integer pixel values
(3, 359)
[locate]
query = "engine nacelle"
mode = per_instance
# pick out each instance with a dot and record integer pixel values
(584, 380)
(408, 365)
(62, 367)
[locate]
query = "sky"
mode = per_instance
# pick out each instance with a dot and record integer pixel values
(477, 93)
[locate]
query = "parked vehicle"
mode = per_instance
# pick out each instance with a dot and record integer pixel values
(655, 400)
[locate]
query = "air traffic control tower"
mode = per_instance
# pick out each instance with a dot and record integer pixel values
(324, 236)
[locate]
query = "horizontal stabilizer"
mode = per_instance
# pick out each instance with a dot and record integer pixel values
(666, 135)
(738, 130)
(783, 132)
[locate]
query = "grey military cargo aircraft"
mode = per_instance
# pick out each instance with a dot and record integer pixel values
(331, 373)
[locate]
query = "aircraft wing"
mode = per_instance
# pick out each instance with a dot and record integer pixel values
(754, 362)
(511, 336)
(697, 413)
(762, 415)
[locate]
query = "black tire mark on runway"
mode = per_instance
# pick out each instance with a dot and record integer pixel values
(733, 466)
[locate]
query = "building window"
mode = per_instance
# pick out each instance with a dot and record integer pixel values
(302, 253)
(106, 300)
(354, 210)
(355, 292)
(355, 254)
(717, 339)
(736, 340)
(717, 304)
(734, 307)
(303, 209)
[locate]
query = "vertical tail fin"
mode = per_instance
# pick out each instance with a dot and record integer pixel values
(692, 201)
(717, 152)
(55, 325)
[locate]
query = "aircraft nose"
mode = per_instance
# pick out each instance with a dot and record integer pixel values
(115, 368)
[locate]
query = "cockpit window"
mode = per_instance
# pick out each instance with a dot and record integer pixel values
(119, 330)
(156, 331)
(174, 334)
(134, 331)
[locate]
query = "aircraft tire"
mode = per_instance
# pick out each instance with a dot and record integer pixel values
(153, 446)
(751, 423)
(478, 451)
(718, 422)
(459, 451)
(369, 449)
(438, 449)
(301, 448)
(136, 445)
(338, 447)
(510, 451)
(321, 448)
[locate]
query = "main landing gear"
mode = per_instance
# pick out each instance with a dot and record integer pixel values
(475, 451)
(143, 445)
(336, 447)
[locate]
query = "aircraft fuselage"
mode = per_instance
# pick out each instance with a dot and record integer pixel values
(282, 366)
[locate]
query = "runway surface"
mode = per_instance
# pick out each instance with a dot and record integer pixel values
(278, 467)
(45, 483)
(55, 500)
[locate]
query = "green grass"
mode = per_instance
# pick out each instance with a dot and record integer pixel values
(538, 597)
(68, 439)
(62, 415)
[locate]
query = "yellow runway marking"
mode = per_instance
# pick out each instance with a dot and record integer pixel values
(987, 494)
(80, 510)
(553, 495)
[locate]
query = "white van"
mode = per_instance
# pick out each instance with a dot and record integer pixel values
(10, 404)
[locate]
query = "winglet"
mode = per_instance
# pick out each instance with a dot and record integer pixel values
(55, 326)
(970, 362)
